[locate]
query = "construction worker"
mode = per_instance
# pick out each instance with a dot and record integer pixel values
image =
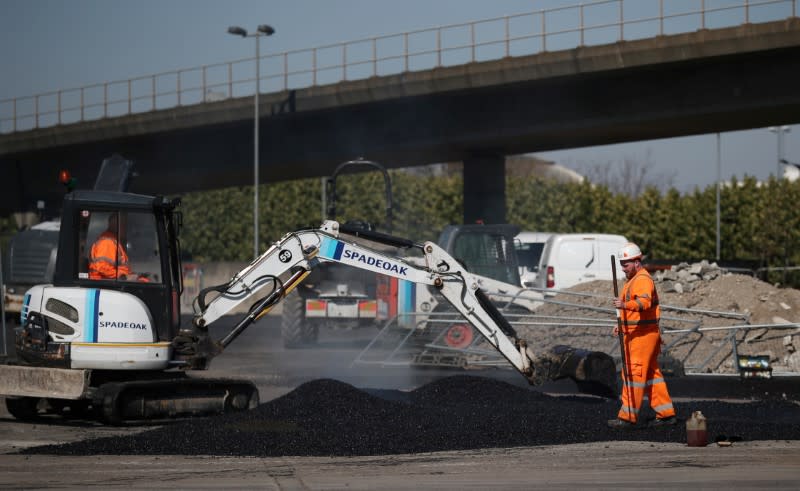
(640, 313)
(108, 259)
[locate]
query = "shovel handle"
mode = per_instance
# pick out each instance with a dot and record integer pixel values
(619, 319)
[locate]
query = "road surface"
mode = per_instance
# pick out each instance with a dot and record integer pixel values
(258, 355)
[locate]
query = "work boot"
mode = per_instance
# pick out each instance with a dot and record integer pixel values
(660, 422)
(621, 424)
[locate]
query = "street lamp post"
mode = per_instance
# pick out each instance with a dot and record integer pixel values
(719, 185)
(262, 30)
(779, 131)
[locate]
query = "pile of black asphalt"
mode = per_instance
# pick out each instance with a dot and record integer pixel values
(326, 417)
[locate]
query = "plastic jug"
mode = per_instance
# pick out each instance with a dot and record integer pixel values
(696, 433)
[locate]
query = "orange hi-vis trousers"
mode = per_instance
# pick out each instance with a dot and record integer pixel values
(642, 347)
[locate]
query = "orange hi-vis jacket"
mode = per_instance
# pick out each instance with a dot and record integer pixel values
(642, 376)
(109, 260)
(641, 309)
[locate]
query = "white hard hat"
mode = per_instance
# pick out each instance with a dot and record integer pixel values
(630, 251)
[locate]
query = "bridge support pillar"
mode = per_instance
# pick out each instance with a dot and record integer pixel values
(485, 188)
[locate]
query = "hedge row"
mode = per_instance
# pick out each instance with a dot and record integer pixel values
(759, 222)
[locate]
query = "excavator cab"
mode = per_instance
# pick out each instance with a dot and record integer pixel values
(123, 242)
(487, 250)
(98, 341)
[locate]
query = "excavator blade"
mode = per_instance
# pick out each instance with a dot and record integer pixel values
(594, 372)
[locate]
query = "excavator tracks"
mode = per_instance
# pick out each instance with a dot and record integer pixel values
(118, 403)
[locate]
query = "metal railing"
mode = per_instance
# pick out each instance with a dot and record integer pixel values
(560, 28)
(699, 339)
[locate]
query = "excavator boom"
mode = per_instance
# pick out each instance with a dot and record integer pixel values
(287, 262)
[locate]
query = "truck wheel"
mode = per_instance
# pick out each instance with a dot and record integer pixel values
(294, 327)
(23, 408)
(310, 333)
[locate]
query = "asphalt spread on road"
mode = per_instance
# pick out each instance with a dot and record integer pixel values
(326, 417)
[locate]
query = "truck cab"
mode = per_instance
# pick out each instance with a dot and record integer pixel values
(30, 259)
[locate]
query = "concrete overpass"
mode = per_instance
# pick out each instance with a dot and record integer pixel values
(694, 83)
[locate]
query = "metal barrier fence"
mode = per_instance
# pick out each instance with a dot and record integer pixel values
(702, 341)
(560, 28)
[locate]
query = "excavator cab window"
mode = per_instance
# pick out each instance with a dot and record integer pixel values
(487, 254)
(118, 246)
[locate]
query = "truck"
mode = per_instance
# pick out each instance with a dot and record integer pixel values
(30, 259)
(116, 349)
(335, 296)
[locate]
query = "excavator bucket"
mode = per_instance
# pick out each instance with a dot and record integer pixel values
(594, 372)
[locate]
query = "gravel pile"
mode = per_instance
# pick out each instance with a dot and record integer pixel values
(684, 277)
(326, 417)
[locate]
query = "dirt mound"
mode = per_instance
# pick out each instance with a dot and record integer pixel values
(327, 417)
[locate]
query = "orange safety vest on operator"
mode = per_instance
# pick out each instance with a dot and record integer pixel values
(109, 260)
(641, 309)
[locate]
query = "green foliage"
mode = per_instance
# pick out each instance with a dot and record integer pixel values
(218, 225)
(758, 223)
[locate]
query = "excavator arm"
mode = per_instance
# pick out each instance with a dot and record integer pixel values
(287, 262)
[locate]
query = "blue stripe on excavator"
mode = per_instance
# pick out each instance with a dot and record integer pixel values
(92, 315)
(331, 249)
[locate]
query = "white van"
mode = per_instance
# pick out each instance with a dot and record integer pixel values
(529, 247)
(569, 259)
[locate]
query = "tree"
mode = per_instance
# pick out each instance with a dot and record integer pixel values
(630, 176)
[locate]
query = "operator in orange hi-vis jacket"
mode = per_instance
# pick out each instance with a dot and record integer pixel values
(640, 315)
(108, 258)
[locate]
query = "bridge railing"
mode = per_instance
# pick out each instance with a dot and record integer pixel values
(559, 28)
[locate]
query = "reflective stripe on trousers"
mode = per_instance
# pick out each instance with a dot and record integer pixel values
(642, 349)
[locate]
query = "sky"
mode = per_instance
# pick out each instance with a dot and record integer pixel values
(47, 45)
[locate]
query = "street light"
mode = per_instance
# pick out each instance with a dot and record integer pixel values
(262, 30)
(780, 131)
(719, 185)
